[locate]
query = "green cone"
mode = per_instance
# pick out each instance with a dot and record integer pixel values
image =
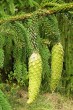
(56, 65)
(35, 72)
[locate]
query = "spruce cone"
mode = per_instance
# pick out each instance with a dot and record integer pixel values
(56, 65)
(35, 71)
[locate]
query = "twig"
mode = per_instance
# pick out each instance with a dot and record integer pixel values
(40, 12)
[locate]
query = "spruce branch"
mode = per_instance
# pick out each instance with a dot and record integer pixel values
(40, 12)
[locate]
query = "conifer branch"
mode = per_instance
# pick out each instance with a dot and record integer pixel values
(40, 12)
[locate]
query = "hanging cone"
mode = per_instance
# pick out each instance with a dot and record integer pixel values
(56, 65)
(35, 72)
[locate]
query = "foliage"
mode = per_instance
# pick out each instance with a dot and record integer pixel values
(4, 104)
(66, 33)
(38, 32)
